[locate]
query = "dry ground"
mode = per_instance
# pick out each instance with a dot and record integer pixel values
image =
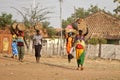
(57, 68)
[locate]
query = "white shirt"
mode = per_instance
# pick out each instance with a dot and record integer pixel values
(37, 40)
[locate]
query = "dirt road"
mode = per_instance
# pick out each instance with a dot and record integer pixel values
(57, 68)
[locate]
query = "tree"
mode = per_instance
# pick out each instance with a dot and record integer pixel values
(93, 9)
(5, 19)
(66, 22)
(117, 10)
(50, 30)
(31, 16)
(80, 13)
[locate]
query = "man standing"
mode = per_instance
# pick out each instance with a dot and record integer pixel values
(37, 42)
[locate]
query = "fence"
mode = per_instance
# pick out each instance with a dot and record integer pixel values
(108, 51)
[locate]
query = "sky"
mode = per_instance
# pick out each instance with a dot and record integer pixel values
(54, 5)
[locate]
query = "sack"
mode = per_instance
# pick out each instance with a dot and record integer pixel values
(21, 26)
(79, 46)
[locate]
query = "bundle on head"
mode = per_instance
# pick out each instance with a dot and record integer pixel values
(38, 26)
(14, 25)
(70, 29)
(21, 27)
(81, 25)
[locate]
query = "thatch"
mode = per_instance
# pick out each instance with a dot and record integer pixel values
(104, 24)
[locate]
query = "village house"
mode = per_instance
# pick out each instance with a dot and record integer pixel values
(104, 25)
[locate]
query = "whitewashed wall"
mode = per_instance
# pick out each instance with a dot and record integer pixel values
(107, 51)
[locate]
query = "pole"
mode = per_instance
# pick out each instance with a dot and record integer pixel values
(61, 42)
(34, 4)
(75, 13)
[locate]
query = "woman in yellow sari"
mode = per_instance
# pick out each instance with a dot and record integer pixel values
(80, 48)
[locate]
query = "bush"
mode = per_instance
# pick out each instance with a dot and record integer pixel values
(103, 41)
(95, 41)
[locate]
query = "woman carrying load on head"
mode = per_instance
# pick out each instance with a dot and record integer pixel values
(69, 44)
(14, 46)
(80, 48)
(20, 44)
(19, 31)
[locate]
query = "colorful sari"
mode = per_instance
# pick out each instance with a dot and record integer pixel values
(69, 44)
(80, 51)
(14, 48)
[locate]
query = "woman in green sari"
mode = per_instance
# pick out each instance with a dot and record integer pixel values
(80, 48)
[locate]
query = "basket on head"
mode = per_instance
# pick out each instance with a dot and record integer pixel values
(82, 25)
(21, 27)
(38, 26)
(70, 28)
(14, 25)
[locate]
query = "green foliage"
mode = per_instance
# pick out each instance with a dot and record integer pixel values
(117, 1)
(51, 32)
(45, 24)
(117, 10)
(95, 41)
(65, 23)
(93, 9)
(79, 13)
(102, 41)
(5, 19)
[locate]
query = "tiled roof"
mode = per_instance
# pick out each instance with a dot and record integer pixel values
(103, 25)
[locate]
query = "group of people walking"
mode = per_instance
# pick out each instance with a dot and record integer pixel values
(78, 42)
(18, 45)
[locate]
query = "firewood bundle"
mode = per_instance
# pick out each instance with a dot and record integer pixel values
(38, 26)
(19, 26)
(82, 25)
